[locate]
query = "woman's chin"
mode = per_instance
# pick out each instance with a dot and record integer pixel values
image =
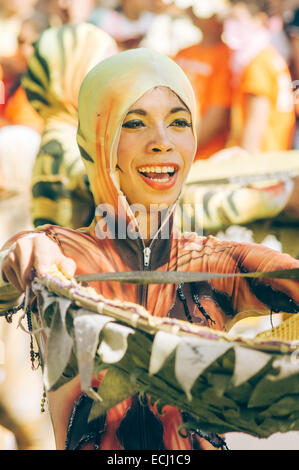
(152, 204)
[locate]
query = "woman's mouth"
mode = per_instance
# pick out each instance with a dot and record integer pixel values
(159, 176)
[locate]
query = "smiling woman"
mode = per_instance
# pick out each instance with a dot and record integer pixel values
(136, 138)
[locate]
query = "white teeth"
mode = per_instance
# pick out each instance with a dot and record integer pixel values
(162, 180)
(157, 169)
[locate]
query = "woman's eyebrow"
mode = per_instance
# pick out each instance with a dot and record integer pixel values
(142, 112)
(180, 108)
(137, 111)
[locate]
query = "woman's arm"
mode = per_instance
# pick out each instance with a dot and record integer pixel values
(256, 123)
(295, 48)
(213, 122)
(246, 296)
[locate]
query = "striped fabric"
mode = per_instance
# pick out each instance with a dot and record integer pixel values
(62, 58)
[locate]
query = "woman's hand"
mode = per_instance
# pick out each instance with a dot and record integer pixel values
(38, 252)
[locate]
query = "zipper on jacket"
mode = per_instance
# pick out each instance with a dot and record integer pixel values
(146, 256)
(145, 266)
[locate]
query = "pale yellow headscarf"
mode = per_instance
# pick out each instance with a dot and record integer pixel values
(106, 94)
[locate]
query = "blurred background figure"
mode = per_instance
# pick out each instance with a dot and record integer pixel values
(263, 115)
(255, 80)
(156, 24)
(207, 65)
(292, 28)
(16, 172)
(61, 12)
(2, 98)
(127, 21)
(16, 109)
(19, 26)
(172, 29)
(12, 15)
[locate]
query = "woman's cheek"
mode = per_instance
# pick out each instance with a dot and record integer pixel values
(189, 150)
(126, 150)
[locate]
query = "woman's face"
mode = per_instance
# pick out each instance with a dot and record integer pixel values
(156, 148)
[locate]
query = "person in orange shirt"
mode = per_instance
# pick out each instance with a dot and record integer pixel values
(17, 110)
(207, 64)
(292, 29)
(263, 116)
(2, 96)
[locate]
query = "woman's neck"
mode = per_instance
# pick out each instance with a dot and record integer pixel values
(152, 222)
(211, 40)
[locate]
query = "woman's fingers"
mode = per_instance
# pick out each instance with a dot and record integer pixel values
(38, 252)
(67, 266)
(47, 253)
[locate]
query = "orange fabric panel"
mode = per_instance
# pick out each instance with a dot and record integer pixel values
(18, 110)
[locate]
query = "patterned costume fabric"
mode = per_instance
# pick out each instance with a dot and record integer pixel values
(62, 57)
(107, 92)
(234, 187)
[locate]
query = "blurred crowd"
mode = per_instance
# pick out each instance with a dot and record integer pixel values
(242, 59)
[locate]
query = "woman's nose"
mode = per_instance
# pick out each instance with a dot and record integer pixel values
(160, 143)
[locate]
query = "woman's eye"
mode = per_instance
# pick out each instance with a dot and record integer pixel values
(133, 124)
(181, 123)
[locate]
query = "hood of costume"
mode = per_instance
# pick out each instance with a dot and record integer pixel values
(62, 58)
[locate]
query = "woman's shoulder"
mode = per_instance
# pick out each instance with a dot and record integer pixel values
(269, 58)
(65, 234)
